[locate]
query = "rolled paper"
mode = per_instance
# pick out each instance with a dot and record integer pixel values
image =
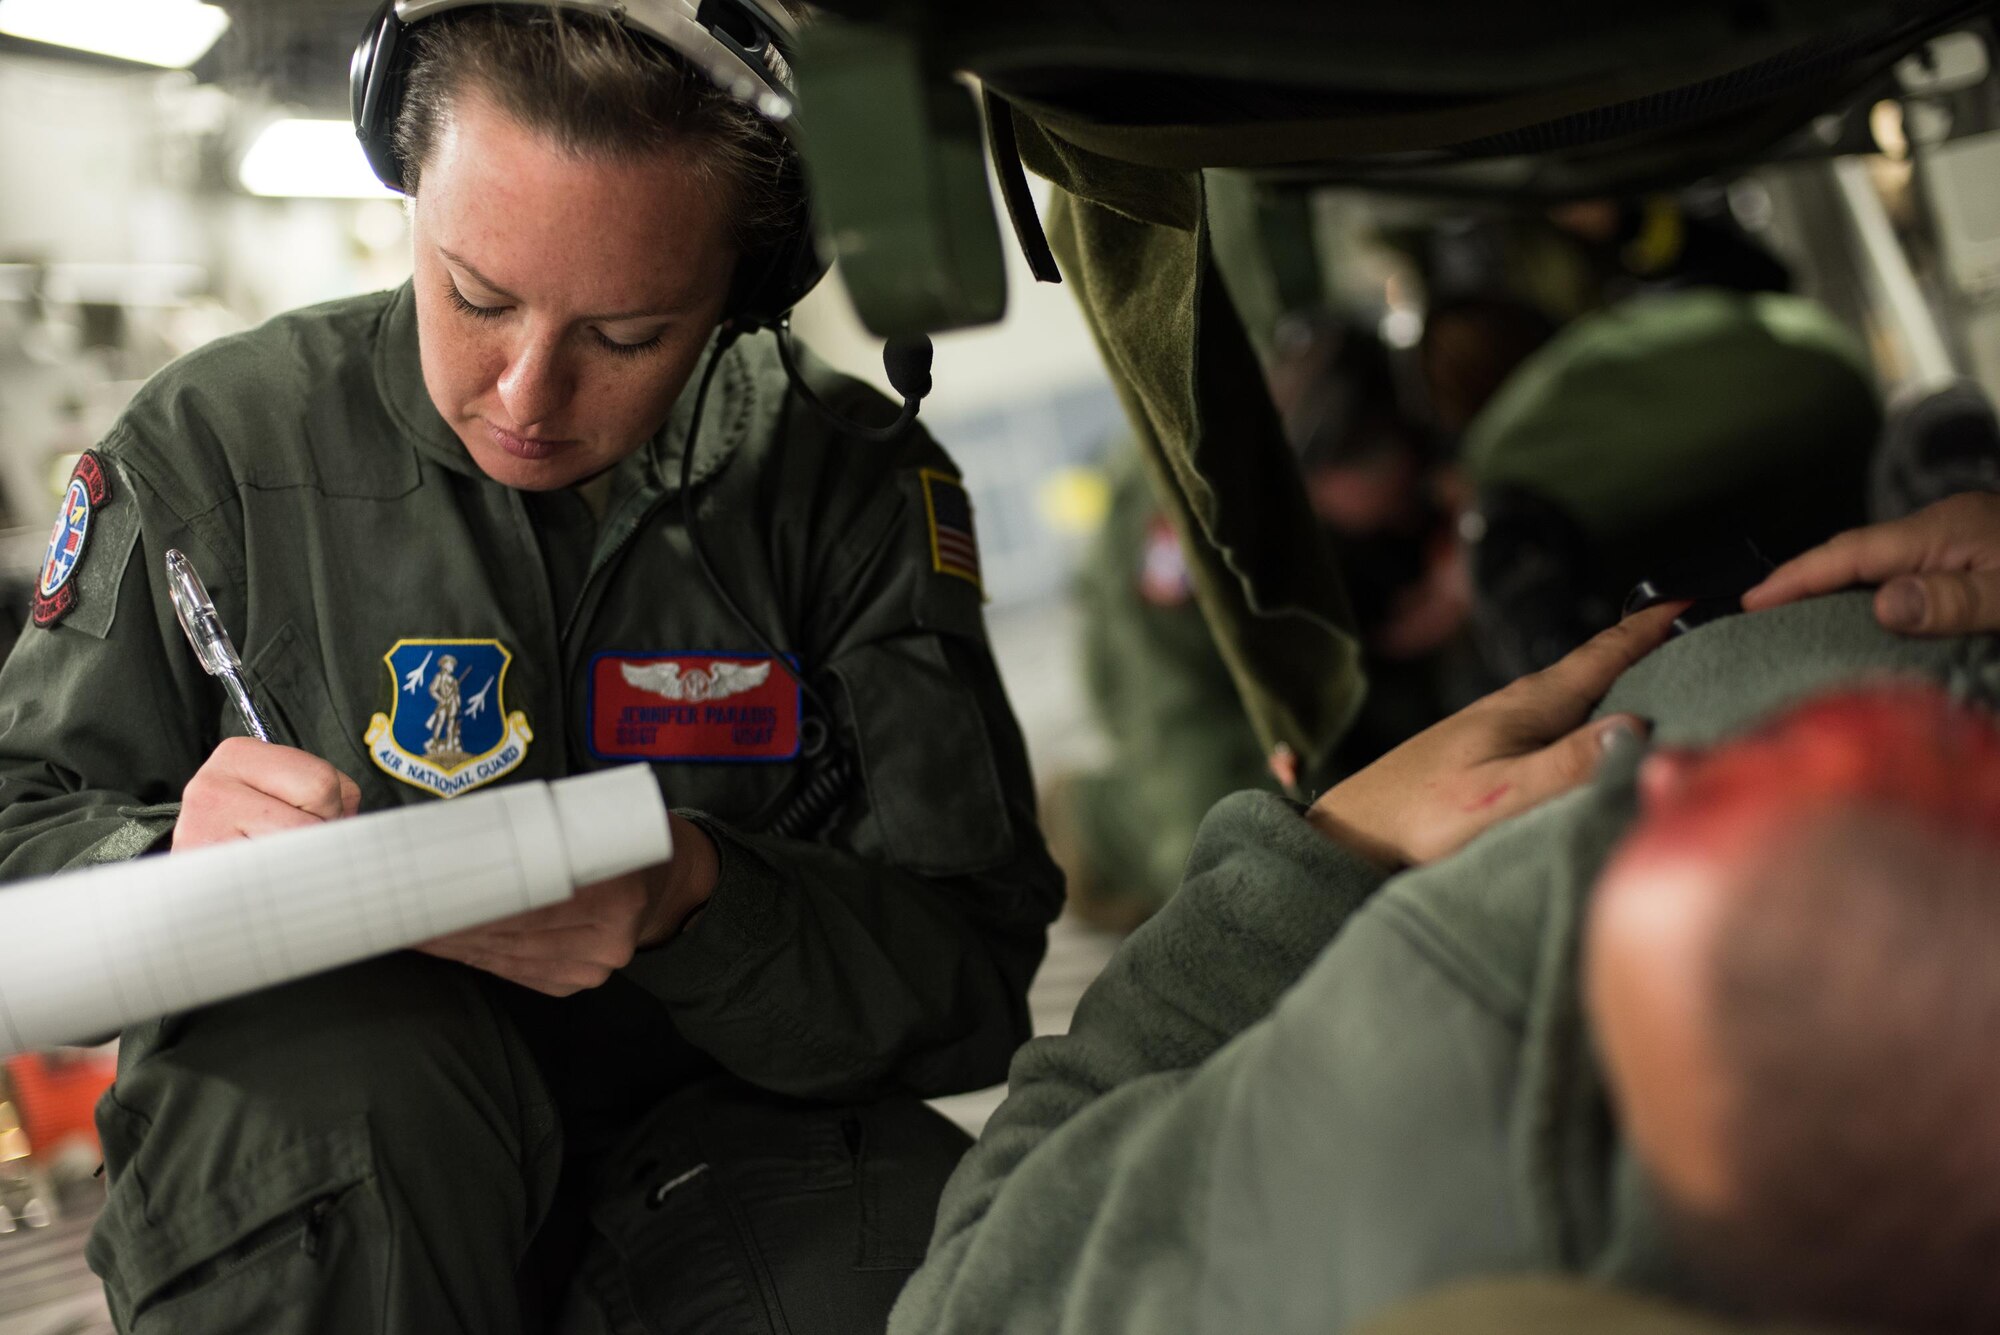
(83, 953)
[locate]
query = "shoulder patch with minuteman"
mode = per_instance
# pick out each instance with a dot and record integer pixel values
(948, 510)
(89, 491)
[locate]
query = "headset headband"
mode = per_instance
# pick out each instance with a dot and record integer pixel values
(761, 79)
(744, 59)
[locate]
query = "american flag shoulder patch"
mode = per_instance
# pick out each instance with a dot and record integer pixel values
(948, 509)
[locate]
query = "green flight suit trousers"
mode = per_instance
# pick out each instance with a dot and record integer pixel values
(382, 1149)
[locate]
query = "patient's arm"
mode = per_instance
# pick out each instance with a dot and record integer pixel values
(1263, 896)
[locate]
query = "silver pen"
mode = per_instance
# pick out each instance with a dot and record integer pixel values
(211, 642)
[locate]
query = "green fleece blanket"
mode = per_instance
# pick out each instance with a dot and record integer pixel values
(1552, 1307)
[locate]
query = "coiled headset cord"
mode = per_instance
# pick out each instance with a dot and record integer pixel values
(807, 809)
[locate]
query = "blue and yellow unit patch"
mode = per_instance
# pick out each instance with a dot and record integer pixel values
(448, 731)
(948, 510)
(89, 490)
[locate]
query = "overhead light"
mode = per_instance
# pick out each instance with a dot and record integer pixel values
(172, 33)
(310, 159)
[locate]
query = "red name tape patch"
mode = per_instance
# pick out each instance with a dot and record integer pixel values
(692, 707)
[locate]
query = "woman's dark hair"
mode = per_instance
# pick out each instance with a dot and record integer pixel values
(599, 89)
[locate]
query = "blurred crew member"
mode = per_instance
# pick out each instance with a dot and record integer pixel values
(1157, 683)
(1690, 440)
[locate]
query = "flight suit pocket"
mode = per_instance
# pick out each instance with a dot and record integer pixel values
(933, 787)
(288, 684)
(904, 1153)
(736, 1210)
(276, 1248)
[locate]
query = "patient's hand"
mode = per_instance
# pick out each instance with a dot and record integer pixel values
(1517, 748)
(1939, 569)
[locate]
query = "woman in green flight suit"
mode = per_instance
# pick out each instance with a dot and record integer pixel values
(595, 1112)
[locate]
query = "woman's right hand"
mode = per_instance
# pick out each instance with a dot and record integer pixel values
(246, 788)
(1939, 569)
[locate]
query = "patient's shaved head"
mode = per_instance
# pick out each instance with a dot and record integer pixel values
(1794, 973)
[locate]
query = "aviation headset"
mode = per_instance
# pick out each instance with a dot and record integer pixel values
(742, 46)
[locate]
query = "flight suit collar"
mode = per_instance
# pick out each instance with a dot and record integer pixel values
(733, 411)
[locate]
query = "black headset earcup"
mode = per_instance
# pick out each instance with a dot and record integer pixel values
(375, 92)
(769, 284)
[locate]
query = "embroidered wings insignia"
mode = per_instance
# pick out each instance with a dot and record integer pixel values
(718, 681)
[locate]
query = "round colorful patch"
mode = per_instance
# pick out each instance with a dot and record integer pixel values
(66, 543)
(89, 489)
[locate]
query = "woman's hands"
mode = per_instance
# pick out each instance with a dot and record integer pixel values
(248, 788)
(1939, 569)
(579, 943)
(1520, 746)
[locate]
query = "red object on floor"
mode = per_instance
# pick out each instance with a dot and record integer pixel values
(56, 1094)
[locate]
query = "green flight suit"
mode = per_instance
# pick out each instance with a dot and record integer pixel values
(417, 1123)
(1180, 740)
(1299, 1095)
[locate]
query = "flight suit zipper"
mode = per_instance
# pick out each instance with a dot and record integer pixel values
(603, 560)
(806, 796)
(531, 542)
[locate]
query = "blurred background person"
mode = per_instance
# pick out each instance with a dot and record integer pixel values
(1692, 440)
(1156, 681)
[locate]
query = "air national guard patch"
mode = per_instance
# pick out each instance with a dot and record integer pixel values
(682, 707)
(89, 490)
(449, 730)
(954, 550)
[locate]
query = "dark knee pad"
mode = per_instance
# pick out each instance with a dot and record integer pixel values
(731, 1209)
